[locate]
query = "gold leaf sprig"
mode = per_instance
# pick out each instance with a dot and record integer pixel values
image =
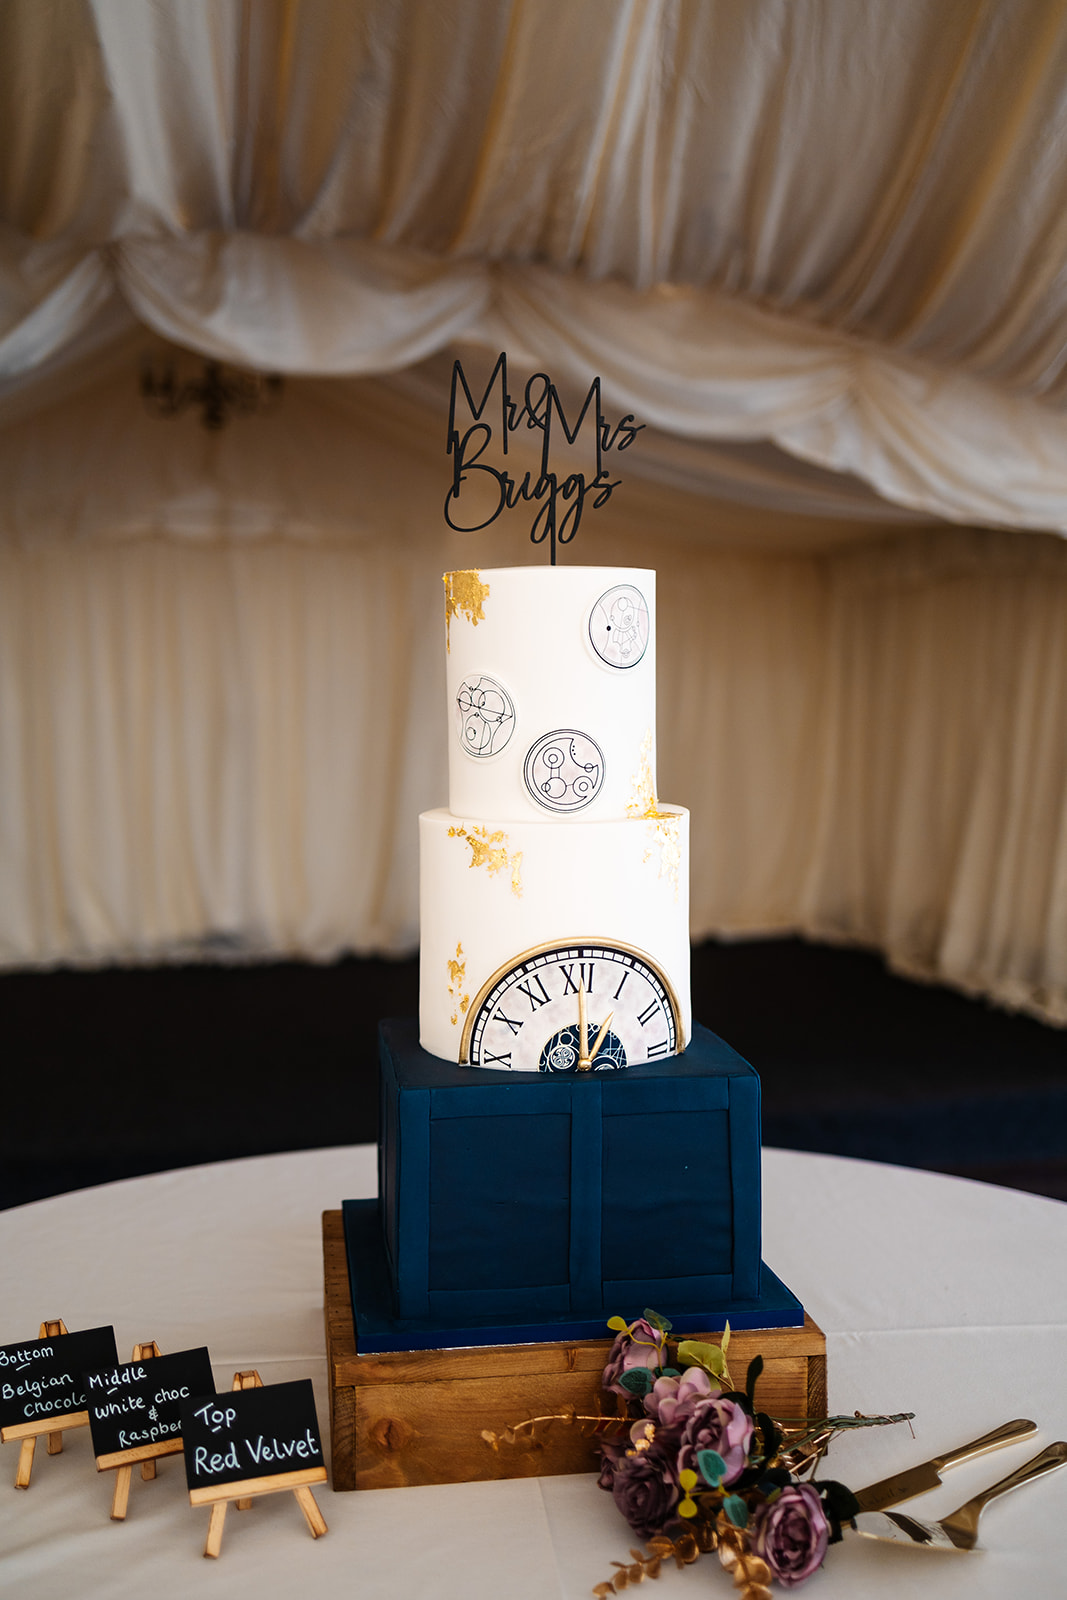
(530, 1433)
(806, 1440)
(684, 1551)
(801, 1431)
(635, 1570)
(751, 1574)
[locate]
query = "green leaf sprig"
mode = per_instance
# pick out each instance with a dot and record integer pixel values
(712, 1357)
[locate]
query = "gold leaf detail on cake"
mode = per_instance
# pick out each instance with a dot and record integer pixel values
(490, 850)
(457, 970)
(664, 835)
(643, 802)
(464, 594)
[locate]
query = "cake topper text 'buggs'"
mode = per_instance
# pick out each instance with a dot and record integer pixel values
(480, 491)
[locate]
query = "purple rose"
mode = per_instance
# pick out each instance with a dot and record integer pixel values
(639, 1345)
(672, 1400)
(645, 1491)
(721, 1425)
(791, 1534)
(610, 1456)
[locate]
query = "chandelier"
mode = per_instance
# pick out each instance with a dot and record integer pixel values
(220, 392)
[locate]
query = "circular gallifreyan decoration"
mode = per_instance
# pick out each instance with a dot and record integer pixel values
(564, 770)
(619, 626)
(562, 1052)
(485, 716)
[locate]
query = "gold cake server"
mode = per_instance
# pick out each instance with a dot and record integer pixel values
(917, 1480)
(959, 1530)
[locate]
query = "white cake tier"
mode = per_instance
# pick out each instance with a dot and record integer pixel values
(551, 692)
(517, 916)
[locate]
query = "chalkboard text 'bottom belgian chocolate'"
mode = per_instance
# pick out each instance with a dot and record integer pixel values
(44, 1378)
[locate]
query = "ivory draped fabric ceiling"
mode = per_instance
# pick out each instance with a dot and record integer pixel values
(819, 247)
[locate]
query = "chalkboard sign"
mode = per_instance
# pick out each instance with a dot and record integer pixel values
(41, 1380)
(135, 1408)
(248, 1434)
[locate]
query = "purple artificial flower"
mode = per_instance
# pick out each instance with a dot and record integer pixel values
(791, 1533)
(640, 1345)
(645, 1491)
(672, 1400)
(610, 1456)
(720, 1425)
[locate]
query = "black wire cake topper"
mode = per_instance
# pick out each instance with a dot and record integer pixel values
(560, 502)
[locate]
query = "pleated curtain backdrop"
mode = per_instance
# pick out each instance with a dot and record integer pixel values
(821, 256)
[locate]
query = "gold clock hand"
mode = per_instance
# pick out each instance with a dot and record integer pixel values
(583, 1030)
(600, 1037)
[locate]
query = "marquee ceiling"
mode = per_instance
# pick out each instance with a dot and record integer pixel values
(783, 232)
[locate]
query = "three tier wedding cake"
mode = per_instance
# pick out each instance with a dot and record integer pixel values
(558, 1140)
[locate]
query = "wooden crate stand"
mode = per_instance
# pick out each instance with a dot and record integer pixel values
(417, 1416)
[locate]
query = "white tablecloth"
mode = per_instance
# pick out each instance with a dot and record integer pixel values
(937, 1296)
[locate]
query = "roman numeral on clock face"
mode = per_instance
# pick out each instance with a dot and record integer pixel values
(585, 975)
(558, 983)
(535, 999)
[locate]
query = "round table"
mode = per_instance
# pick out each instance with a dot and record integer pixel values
(938, 1296)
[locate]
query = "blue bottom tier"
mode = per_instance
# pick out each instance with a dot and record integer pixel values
(512, 1208)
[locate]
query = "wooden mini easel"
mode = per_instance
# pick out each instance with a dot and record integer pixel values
(243, 1493)
(122, 1462)
(30, 1432)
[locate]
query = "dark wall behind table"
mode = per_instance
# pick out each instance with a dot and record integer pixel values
(119, 1072)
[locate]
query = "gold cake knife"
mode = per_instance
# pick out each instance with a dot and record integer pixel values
(959, 1530)
(917, 1480)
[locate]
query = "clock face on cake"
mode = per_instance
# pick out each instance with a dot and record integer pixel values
(583, 1006)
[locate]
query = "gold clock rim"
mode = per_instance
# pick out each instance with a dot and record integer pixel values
(557, 944)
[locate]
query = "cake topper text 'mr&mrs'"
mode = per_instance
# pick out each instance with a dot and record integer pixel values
(480, 491)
